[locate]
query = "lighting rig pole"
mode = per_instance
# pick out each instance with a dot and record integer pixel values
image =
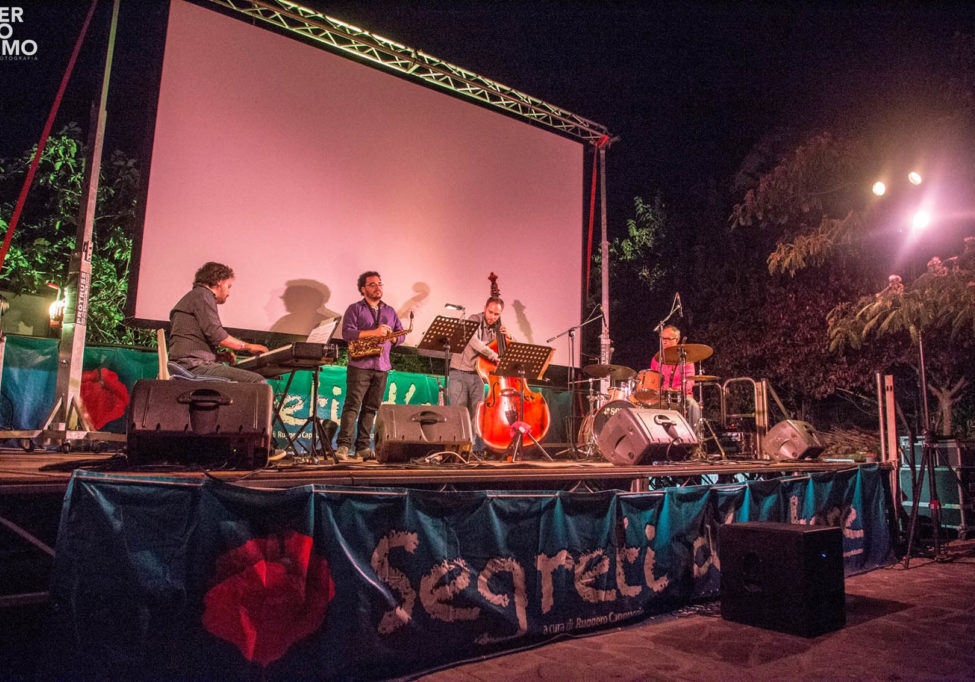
(68, 410)
(928, 465)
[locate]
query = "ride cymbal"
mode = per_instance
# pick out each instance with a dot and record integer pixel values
(693, 352)
(614, 372)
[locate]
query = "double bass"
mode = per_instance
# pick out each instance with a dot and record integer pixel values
(500, 409)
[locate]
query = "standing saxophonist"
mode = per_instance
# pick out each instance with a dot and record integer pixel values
(366, 378)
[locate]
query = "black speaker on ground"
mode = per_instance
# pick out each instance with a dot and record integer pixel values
(783, 577)
(646, 435)
(405, 432)
(207, 423)
(792, 439)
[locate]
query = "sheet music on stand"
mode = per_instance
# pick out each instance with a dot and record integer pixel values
(323, 332)
(448, 335)
(524, 359)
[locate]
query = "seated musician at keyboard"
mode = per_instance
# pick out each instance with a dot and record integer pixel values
(196, 333)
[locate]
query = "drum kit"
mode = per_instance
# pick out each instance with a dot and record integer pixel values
(630, 389)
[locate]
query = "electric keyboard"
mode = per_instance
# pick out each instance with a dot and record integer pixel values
(302, 355)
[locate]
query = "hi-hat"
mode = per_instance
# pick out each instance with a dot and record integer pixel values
(614, 372)
(693, 352)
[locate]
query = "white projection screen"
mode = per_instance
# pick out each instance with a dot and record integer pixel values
(300, 169)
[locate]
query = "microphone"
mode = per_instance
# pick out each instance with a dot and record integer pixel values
(453, 306)
(680, 306)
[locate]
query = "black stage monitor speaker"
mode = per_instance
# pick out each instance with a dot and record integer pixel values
(207, 423)
(646, 435)
(405, 432)
(792, 439)
(783, 577)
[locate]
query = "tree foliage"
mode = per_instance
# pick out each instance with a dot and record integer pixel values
(812, 201)
(940, 304)
(638, 269)
(42, 245)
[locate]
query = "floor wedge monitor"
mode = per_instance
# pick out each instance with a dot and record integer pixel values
(645, 435)
(201, 423)
(405, 432)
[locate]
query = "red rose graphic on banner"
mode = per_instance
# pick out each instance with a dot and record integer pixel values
(103, 395)
(270, 593)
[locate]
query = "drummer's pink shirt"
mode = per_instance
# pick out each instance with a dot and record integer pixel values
(671, 379)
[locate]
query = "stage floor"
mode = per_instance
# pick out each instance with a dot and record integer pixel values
(22, 472)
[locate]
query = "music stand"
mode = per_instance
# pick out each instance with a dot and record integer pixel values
(522, 360)
(448, 335)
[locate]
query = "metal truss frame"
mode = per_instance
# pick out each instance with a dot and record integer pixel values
(416, 64)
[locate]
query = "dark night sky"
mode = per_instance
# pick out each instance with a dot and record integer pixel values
(688, 87)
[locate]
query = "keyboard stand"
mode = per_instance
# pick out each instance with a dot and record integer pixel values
(322, 431)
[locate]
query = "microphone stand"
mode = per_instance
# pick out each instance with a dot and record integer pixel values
(674, 307)
(571, 332)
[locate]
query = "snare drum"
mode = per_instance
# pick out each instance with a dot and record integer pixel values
(620, 390)
(594, 423)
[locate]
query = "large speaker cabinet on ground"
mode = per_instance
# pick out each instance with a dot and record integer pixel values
(792, 439)
(405, 432)
(643, 435)
(783, 576)
(206, 423)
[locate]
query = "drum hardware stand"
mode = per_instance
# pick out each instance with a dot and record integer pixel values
(589, 446)
(573, 417)
(705, 434)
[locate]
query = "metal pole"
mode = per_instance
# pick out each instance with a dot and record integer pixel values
(71, 349)
(604, 339)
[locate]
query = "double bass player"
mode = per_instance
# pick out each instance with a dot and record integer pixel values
(465, 387)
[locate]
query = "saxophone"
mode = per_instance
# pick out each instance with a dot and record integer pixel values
(373, 345)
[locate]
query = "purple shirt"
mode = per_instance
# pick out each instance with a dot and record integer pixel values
(360, 317)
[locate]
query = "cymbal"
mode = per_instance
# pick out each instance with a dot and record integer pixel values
(703, 377)
(614, 372)
(695, 352)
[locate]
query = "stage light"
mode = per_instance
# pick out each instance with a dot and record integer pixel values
(55, 311)
(879, 188)
(914, 178)
(920, 220)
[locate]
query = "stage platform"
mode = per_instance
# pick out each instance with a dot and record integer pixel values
(24, 473)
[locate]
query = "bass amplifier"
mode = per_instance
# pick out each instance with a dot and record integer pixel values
(784, 577)
(204, 423)
(405, 432)
(645, 435)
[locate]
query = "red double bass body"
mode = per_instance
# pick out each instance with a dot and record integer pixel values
(500, 409)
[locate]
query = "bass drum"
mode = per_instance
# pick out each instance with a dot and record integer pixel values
(593, 424)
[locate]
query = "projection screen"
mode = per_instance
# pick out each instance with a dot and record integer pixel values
(301, 168)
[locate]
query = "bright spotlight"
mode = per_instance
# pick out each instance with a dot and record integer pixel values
(879, 188)
(914, 178)
(920, 220)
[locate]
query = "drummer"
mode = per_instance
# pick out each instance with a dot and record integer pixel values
(671, 380)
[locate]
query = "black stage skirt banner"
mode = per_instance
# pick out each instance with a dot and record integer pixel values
(170, 579)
